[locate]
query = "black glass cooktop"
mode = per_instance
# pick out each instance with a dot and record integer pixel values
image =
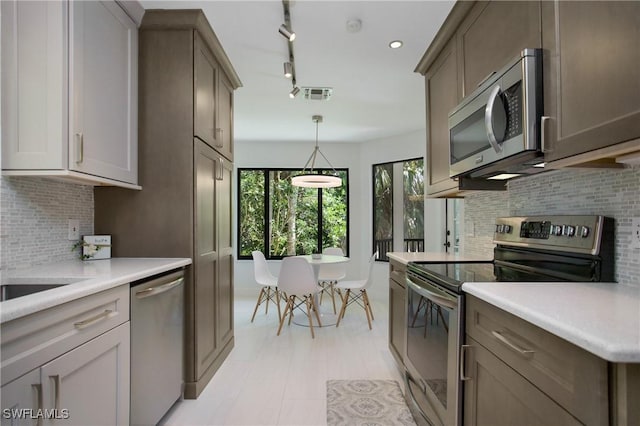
(452, 275)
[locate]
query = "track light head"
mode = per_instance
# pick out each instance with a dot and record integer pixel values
(294, 92)
(288, 34)
(288, 70)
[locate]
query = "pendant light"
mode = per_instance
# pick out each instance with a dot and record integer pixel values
(309, 179)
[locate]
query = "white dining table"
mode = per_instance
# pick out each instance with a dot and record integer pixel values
(327, 318)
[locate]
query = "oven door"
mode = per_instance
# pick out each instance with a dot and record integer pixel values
(432, 363)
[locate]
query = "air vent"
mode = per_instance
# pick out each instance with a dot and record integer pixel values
(317, 93)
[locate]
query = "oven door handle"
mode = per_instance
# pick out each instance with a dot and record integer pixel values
(436, 296)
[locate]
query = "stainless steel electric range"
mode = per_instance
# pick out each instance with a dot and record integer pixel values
(536, 248)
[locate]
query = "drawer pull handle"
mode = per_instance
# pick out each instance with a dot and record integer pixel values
(527, 353)
(91, 321)
(152, 291)
(38, 389)
(79, 143)
(56, 384)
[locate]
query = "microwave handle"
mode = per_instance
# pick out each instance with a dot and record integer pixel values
(493, 114)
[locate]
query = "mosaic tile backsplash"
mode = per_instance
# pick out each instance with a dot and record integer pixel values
(614, 193)
(34, 214)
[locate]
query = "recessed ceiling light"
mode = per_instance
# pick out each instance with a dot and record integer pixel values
(395, 44)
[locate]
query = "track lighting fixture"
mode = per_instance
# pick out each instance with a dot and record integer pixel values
(288, 70)
(293, 93)
(288, 34)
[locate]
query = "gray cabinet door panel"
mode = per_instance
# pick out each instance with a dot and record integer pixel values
(592, 77)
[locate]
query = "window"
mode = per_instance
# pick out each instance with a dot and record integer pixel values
(398, 207)
(280, 219)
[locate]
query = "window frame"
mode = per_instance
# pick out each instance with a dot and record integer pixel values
(381, 257)
(267, 203)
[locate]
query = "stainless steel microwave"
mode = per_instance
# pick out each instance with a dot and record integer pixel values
(496, 129)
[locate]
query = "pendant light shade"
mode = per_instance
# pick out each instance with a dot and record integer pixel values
(309, 179)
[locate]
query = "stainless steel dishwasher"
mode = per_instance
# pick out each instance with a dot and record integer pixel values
(157, 324)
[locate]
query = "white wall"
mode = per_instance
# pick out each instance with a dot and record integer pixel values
(358, 158)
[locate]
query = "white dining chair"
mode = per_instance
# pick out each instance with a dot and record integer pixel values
(269, 284)
(330, 274)
(356, 292)
(298, 281)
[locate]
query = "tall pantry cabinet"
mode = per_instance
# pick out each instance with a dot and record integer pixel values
(186, 84)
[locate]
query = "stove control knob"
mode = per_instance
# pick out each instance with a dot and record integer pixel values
(584, 231)
(498, 227)
(507, 229)
(556, 230)
(570, 231)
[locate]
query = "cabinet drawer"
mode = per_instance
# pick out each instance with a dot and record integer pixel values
(398, 272)
(31, 341)
(574, 378)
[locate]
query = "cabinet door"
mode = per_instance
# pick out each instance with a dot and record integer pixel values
(225, 118)
(497, 395)
(592, 77)
(224, 205)
(492, 34)
(206, 256)
(24, 393)
(442, 95)
(205, 88)
(91, 381)
(34, 84)
(103, 137)
(397, 320)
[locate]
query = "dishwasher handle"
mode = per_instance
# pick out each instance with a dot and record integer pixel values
(153, 291)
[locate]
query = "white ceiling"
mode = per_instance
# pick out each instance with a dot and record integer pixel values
(376, 94)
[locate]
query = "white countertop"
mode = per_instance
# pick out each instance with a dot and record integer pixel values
(406, 257)
(86, 277)
(602, 318)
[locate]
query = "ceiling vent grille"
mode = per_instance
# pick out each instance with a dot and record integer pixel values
(317, 93)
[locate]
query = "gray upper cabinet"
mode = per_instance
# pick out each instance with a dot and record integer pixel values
(592, 79)
(492, 34)
(69, 83)
(205, 69)
(213, 101)
(442, 95)
(185, 207)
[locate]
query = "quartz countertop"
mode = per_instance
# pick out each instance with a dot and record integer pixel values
(602, 318)
(406, 257)
(82, 278)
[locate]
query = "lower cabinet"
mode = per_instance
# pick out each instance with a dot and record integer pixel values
(397, 310)
(497, 395)
(91, 382)
(519, 374)
(68, 364)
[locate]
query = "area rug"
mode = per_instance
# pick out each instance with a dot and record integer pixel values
(366, 402)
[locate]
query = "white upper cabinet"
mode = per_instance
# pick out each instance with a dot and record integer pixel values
(69, 84)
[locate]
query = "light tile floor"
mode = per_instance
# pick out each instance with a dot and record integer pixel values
(281, 380)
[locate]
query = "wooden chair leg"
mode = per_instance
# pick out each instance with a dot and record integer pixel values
(268, 298)
(365, 303)
(366, 297)
(345, 299)
(257, 304)
(293, 303)
(308, 303)
(333, 297)
(284, 316)
(278, 302)
(315, 309)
